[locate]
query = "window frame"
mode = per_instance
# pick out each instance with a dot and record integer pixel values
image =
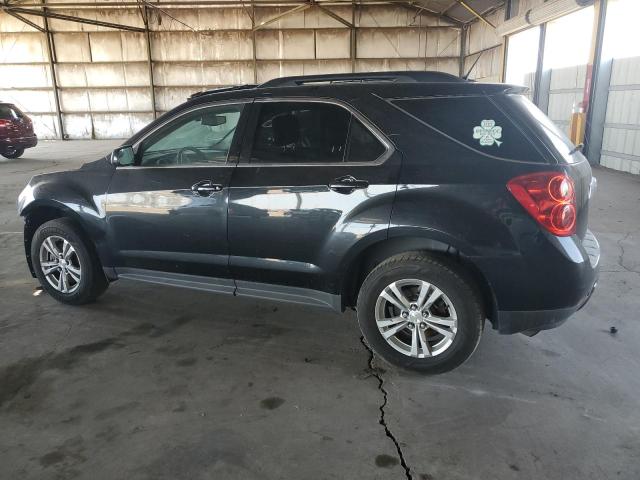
(247, 149)
(234, 149)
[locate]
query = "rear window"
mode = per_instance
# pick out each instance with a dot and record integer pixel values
(548, 130)
(17, 111)
(475, 122)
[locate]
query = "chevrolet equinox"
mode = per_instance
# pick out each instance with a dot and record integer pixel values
(426, 202)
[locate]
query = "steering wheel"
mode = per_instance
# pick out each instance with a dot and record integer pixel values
(200, 155)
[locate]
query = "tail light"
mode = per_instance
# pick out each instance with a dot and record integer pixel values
(4, 123)
(549, 197)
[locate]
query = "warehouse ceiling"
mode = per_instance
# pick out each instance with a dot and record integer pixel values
(460, 10)
(457, 11)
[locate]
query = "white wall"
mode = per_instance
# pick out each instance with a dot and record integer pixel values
(103, 77)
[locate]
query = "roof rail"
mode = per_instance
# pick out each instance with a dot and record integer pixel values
(395, 77)
(223, 89)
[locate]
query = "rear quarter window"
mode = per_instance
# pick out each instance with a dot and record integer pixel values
(5, 112)
(477, 123)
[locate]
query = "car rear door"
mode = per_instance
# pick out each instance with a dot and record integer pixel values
(167, 212)
(315, 177)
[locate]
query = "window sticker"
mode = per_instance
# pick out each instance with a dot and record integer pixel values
(488, 133)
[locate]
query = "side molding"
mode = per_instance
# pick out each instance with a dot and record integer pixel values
(281, 293)
(193, 282)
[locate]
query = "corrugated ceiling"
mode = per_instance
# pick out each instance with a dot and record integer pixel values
(455, 10)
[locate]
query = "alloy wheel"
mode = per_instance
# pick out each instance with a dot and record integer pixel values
(416, 318)
(60, 264)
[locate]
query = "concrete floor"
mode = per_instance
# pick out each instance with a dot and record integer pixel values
(153, 382)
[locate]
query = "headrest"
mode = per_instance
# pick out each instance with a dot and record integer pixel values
(286, 129)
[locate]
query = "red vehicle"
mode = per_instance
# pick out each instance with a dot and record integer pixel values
(16, 131)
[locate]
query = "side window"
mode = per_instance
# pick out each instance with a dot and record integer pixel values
(201, 137)
(300, 132)
(5, 112)
(363, 144)
(311, 132)
(476, 122)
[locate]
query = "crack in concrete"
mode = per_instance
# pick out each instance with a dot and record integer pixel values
(382, 420)
(622, 252)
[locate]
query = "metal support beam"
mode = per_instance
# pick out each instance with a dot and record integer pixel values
(508, 9)
(353, 52)
(544, 91)
(253, 44)
(27, 21)
(335, 16)
(463, 49)
(476, 13)
(508, 13)
(598, 94)
(537, 83)
(51, 50)
(47, 14)
(144, 11)
(62, 5)
(280, 16)
(420, 8)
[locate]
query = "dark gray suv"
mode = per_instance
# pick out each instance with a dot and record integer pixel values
(426, 202)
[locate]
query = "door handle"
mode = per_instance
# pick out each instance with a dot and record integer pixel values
(206, 188)
(347, 184)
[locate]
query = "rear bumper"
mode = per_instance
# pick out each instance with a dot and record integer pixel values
(536, 320)
(542, 290)
(20, 142)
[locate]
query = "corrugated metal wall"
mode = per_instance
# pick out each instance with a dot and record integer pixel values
(565, 93)
(621, 141)
(103, 76)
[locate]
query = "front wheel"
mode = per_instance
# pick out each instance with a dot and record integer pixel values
(421, 312)
(65, 265)
(13, 152)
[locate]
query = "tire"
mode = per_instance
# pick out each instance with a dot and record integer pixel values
(13, 152)
(80, 262)
(457, 312)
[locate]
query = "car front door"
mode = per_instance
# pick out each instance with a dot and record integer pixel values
(314, 178)
(167, 210)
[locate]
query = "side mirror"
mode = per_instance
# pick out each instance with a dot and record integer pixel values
(123, 156)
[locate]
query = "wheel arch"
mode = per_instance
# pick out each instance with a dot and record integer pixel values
(362, 263)
(41, 211)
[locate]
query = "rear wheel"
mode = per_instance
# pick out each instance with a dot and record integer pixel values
(64, 264)
(421, 312)
(13, 152)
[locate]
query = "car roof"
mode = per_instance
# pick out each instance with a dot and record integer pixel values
(384, 84)
(345, 87)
